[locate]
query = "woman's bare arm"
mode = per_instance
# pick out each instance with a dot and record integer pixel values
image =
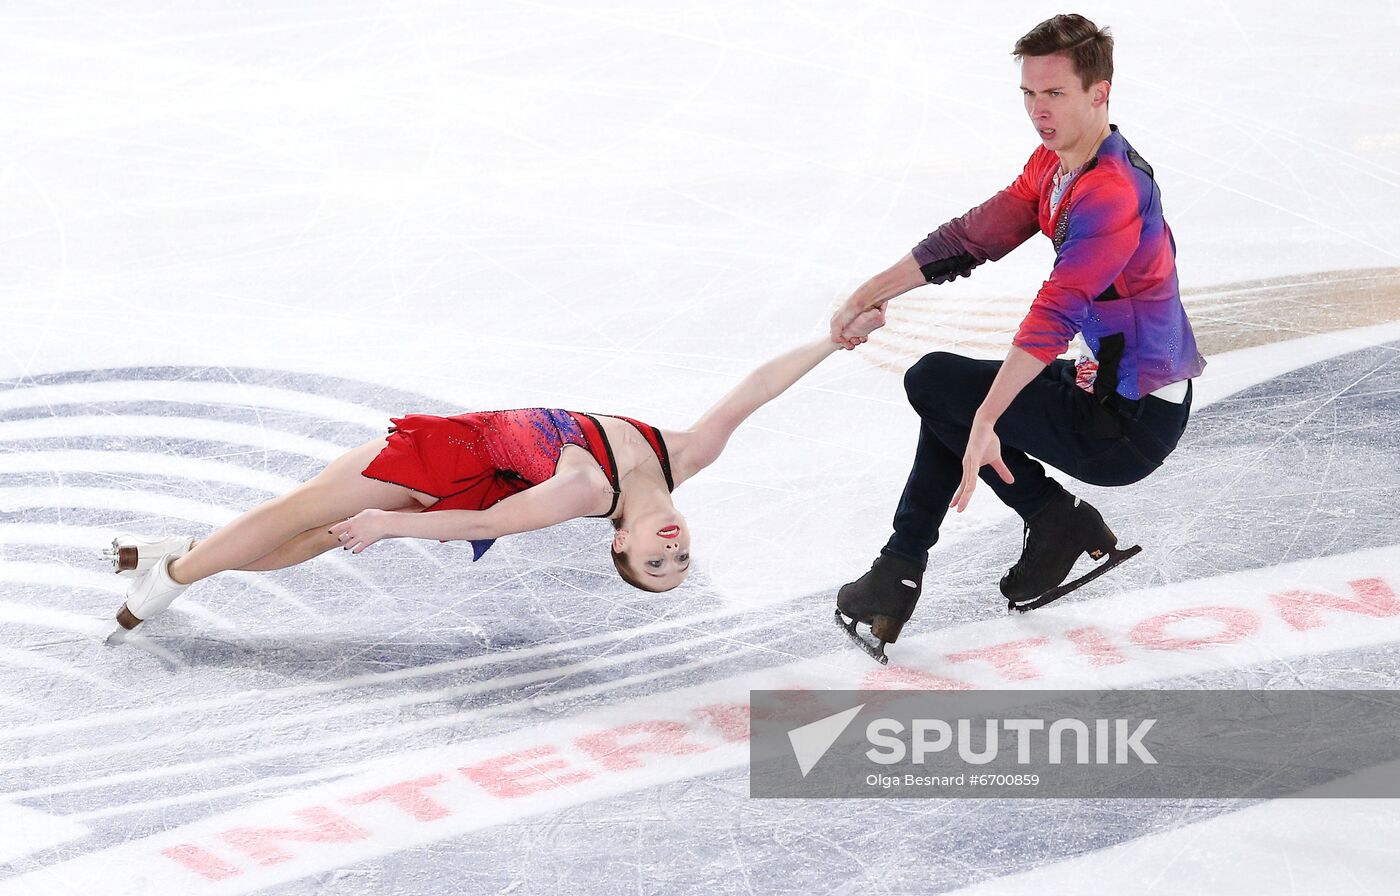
(705, 440)
(563, 496)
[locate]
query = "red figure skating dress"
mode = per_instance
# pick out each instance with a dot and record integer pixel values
(472, 461)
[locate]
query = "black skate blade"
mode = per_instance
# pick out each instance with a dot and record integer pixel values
(876, 653)
(1115, 557)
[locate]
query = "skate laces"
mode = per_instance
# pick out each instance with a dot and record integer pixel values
(1031, 549)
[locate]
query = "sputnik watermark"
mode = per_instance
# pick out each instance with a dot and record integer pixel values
(1229, 744)
(810, 742)
(1116, 741)
(1110, 740)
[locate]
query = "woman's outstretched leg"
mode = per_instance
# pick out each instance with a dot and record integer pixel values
(283, 530)
(311, 543)
(337, 492)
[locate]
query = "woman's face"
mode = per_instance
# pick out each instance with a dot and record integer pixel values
(657, 548)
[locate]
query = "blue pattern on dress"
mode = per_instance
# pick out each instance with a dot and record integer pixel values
(556, 428)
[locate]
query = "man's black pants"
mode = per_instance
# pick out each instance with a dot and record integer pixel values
(1113, 443)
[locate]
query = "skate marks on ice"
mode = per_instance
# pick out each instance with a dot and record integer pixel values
(91, 453)
(578, 763)
(589, 677)
(1300, 466)
(1225, 317)
(1266, 567)
(1327, 617)
(287, 659)
(1284, 846)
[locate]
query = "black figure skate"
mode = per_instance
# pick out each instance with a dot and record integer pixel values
(1054, 539)
(883, 598)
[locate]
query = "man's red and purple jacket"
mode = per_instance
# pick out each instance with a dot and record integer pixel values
(1114, 278)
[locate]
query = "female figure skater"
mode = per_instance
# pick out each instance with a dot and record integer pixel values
(480, 476)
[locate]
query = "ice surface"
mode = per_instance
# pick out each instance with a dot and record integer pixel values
(239, 238)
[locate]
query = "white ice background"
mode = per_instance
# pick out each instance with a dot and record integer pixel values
(614, 207)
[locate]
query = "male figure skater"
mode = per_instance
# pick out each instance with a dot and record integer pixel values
(1107, 420)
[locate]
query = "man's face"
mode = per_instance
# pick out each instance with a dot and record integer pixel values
(1064, 114)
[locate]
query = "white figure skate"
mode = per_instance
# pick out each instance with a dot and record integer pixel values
(132, 555)
(150, 594)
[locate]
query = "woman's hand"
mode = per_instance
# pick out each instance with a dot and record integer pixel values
(865, 323)
(876, 292)
(363, 529)
(842, 319)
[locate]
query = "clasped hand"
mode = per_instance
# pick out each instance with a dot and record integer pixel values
(851, 327)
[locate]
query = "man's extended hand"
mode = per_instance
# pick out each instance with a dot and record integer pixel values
(865, 323)
(983, 448)
(876, 292)
(842, 320)
(852, 326)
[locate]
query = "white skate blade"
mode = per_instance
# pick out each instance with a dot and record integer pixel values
(117, 637)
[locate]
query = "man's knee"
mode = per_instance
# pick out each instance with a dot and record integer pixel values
(939, 384)
(927, 371)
